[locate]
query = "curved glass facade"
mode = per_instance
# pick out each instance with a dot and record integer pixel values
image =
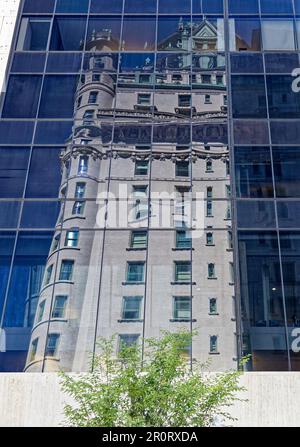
(126, 108)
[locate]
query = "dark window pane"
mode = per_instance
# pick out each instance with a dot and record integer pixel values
(174, 6)
(16, 132)
(28, 62)
(245, 34)
(40, 214)
(33, 34)
(22, 89)
(286, 162)
(13, 169)
(38, 7)
(285, 132)
(68, 34)
(139, 33)
(72, 6)
(169, 33)
(58, 97)
(140, 6)
(104, 33)
(211, 6)
(279, 6)
(253, 172)
(252, 88)
(243, 6)
(44, 174)
(281, 62)
(283, 102)
(136, 62)
(53, 132)
(288, 214)
(297, 6)
(250, 132)
(106, 6)
(246, 63)
(256, 214)
(64, 63)
(7, 241)
(9, 214)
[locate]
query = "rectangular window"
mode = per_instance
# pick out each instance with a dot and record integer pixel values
(231, 272)
(183, 271)
(183, 239)
(72, 237)
(93, 97)
(212, 306)
(207, 99)
(52, 345)
(33, 34)
(80, 190)
(59, 307)
(78, 208)
(182, 169)
(66, 270)
(206, 79)
(33, 350)
(141, 167)
(96, 78)
(182, 308)
(135, 271)
(144, 99)
(131, 307)
(209, 239)
(48, 275)
(127, 340)
(213, 344)
(184, 100)
(209, 166)
(211, 271)
(277, 34)
(140, 191)
(40, 312)
(83, 164)
(55, 243)
(138, 239)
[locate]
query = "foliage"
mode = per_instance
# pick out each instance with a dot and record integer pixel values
(161, 391)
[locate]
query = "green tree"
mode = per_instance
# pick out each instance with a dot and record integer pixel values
(161, 391)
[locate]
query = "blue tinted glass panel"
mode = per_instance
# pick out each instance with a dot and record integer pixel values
(9, 214)
(243, 6)
(33, 34)
(72, 5)
(7, 241)
(44, 173)
(168, 34)
(53, 132)
(285, 132)
(140, 6)
(106, 6)
(104, 33)
(64, 62)
(16, 132)
(44, 6)
(174, 6)
(251, 132)
(246, 63)
(28, 62)
(13, 169)
(256, 214)
(286, 162)
(68, 34)
(252, 88)
(40, 214)
(276, 7)
(139, 33)
(137, 62)
(245, 34)
(58, 97)
(297, 6)
(288, 214)
(207, 6)
(281, 62)
(283, 102)
(22, 89)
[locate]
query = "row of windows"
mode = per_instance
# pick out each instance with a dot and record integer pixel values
(52, 344)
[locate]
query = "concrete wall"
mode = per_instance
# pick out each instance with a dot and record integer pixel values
(35, 400)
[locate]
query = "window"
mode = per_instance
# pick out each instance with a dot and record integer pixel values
(219, 80)
(245, 34)
(209, 239)
(183, 271)
(48, 275)
(96, 78)
(182, 169)
(144, 99)
(206, 79)
(141, 167)
(33, 350)
(183, 239)
(131, 307)
(140, 191)
(182, 308)
(80, 190)
(83, 164)
(144, 78)
(213, 306)
(55, 243)
(72, 237)
(211, 271)
(59, 306)
(68, 33)
(250, 87)
(209, 166)
(231, 272)
(209, 192)
(138, 239)
(127, 340)
(88, 117)
(277, 34)
(230, 239)
(40, 312)
(66, 270)
(184, 100)
(93, 97)
(213, 344)
(78, 208)
(135, 271)
(207, 99)
(52, 345)
(33, 34)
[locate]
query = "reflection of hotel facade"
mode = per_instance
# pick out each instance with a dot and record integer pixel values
(167, 102)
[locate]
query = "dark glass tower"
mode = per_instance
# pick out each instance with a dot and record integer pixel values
(165, 99)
